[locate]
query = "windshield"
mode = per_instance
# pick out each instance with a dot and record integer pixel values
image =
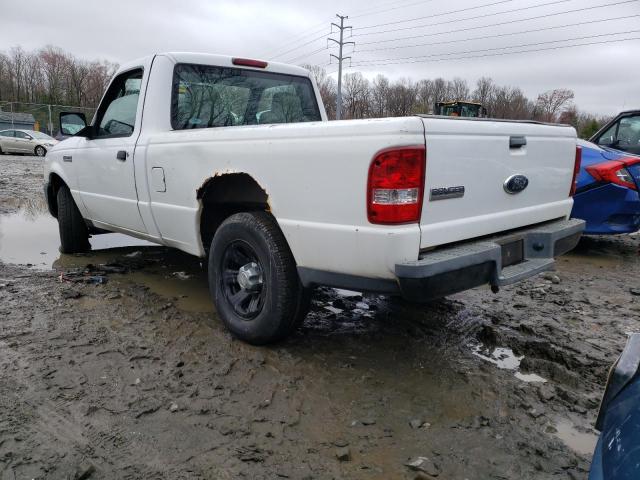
(39, 135)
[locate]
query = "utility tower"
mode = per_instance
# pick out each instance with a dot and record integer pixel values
(341, 43)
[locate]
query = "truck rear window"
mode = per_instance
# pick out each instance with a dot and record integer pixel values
(205, 96)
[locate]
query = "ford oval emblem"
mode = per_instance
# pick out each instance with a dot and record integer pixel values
(515, 184)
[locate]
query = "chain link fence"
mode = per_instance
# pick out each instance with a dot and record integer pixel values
(41, 117)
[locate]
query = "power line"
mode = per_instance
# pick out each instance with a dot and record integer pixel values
(500, 53)
(498, 35)
(279, 52)
(362, 62)
(306, 55)
(371, 12)
(298, 38)
(301, 45)
(506, 22)
(445, 13)
(497, 13)
(366, 13)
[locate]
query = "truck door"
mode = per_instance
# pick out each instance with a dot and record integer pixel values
(105, 162)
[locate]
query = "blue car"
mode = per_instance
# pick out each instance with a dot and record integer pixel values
(617, 453)
(606, 194)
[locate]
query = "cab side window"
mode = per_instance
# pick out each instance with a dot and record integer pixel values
(623, 135)
(609, 136)
(117, 114)
(22, 135)
(7, 133)
(629, 134)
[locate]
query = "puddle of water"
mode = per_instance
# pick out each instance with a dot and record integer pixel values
(191, 294)
(530, 377)
(347, 293)
(505, 359)
(608, 252)
(335, 310)
(581, 442)
(29, 237)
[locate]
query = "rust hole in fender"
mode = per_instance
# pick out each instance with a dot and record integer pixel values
(224, 194)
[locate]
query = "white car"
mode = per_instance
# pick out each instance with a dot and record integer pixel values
(27, 142)
(233, 160)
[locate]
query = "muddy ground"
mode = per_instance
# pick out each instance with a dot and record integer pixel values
(136, 378)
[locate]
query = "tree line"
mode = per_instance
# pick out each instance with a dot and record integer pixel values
(380, 97)
(52, 76)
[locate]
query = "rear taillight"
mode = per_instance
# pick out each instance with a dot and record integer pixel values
(395, 186)
(614, 171)
(576, 170)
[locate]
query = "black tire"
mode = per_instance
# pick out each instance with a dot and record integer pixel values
(304, 305)
(40, 151)
(264, 312)
(74, 236)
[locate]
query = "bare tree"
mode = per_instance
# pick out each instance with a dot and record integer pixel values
(327, 87)
(51, 75)
(4, 77)
(425, 100)
(77, 74)
(458, 89)
(509, 102)
(32, 78)
(356, 95)
(484, 91)
(100, 74)
(380, 96)
(54, 65)
(552, 102)
(402, 98)
(440, 90)
(17, 60)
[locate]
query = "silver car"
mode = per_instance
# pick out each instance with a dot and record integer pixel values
(25, 141)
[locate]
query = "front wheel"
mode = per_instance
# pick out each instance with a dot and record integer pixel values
(253, 278)
(40, 151)
(74, 236)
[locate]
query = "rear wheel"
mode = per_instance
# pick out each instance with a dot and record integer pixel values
(40, 151)
(253, 278)
(74, 236)
(304, 305)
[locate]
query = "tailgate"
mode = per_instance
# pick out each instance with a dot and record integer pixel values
(469, 163)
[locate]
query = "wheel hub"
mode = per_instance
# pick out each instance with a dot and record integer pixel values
(250, 277)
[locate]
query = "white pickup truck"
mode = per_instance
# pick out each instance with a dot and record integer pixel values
(234, 160)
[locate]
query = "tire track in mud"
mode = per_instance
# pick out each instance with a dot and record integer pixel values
(356, 374)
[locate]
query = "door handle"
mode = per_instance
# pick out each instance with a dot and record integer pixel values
(517, 142)
(122, 155)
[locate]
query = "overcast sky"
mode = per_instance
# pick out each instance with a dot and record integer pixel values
(605, 76)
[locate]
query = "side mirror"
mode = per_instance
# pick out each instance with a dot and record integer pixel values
(71, 123)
